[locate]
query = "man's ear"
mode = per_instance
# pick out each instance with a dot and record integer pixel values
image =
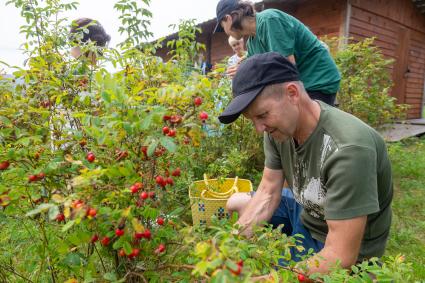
(293, 91)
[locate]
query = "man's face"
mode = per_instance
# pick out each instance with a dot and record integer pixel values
(275, 114)
(226, 24)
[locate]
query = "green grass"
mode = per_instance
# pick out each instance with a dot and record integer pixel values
(408, 228)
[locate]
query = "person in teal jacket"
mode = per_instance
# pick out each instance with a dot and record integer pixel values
(274, 30)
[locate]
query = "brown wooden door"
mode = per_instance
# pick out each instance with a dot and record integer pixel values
(415, 74)
(401, 64)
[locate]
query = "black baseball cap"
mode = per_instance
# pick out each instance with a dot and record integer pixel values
(252, 76)
(224, 7)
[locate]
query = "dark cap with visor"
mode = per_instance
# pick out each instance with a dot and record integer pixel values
(253, 75)
(224, 7)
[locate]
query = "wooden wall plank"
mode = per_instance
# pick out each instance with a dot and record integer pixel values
(401, 11)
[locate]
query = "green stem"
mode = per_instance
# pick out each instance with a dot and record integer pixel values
(11, 270)
(101, 260)
(46, 247)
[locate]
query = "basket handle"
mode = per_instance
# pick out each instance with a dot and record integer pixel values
(219, 195)
(210, 194)
(234, 187)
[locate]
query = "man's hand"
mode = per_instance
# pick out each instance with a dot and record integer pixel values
(263, 204)
(245, 230)
(231, 71)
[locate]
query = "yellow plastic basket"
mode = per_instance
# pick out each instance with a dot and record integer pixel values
(209, 196)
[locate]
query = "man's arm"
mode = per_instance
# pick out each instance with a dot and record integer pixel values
(265, 201)
(342, 244)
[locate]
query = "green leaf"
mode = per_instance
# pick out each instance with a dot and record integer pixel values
(68, 225)
(128, 128)
(201, 267)
(216, 263)
(168, 143)
(73, 259)
(124, 171)
(53, 212)
(79, 237)
(152, 147)
(150, 212)
(127, 248)
(177, 211)
(5, 121)
(146, 123)
(118, 244)
(33, 212)
(230, 264)
(110, 276)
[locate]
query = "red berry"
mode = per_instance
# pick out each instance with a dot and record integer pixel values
(144, 195)
(92, 212)
(152, 195)
(105, 241)
(170, 181)
(134, 189)
(176, 119)
(121, 253)
(60, 217)
(203, 116)
(159, 180)
(160, 221)
(90, 157)
(94, 238)
(240, 263)
(145, 150)
(176, 172)
(138, 185)
(134, 253)
(237, 271)
(32, 178)
(77, 203)
(301, 278)
(147, 234)
(139, 235)
(165, 130)
(119, 232)
(160, 249)
(172, 133)
(41, 176)
(4, 165)
(166, 117)
(197, 101)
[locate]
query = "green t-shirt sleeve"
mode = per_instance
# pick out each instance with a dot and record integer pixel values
(277, 34)
(351, 183)
(272, 156)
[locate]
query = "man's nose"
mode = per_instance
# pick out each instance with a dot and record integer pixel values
(259, 127)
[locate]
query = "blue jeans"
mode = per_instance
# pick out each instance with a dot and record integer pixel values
(289, 214)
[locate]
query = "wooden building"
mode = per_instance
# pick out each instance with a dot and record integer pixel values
(398, 25)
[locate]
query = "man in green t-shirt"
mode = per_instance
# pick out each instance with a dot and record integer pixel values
(336, 166)
(274, 30)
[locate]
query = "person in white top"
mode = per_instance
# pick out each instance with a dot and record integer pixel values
(239, 49)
